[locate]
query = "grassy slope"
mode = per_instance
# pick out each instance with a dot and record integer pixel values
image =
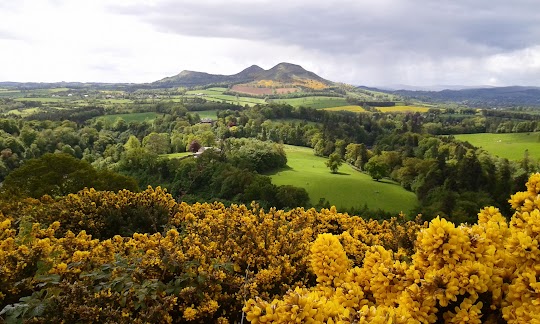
(510, 146)
(314, 102)
(347, 189)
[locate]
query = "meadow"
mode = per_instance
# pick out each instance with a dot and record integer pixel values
(316, 102)
(177, 155)
(206, 113)
(511, 146)
(346, 189)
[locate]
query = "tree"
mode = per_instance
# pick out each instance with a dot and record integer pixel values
(334, 162)
(132, 143)
(158, 143)
(194, 146)
(59, 175)
(291, 197)
(376, 168)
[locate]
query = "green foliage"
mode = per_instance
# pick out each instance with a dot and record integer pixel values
(253, 154)
(377, 168)
(157, 143)
(290, 197)
(334, 162)
(59, 175)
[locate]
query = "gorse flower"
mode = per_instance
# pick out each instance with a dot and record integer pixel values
(208, 263)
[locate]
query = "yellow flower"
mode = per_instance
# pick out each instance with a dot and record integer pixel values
(190, 314)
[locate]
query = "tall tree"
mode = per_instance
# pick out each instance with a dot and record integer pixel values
(334, 162)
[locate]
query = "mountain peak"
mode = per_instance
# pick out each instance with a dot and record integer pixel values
(282, 72)
(287, 72)
(251, 72)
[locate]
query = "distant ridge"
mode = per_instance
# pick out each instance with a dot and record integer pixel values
(512, 96)
(282, 72)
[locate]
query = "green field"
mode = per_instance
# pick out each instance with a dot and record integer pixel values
(139, 117)
(44, 99)
(177, 155)
(511, 146)
(216, 95)
(348, 188)
(206, 113)
(314, 102)
(317, 102)
(24, 112)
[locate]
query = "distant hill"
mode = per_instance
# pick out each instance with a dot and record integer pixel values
(283, 72)
(481, 97)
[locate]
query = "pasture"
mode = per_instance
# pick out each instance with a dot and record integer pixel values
(242, 88)
(316, 102)
(216, 95)
(511, 146)
(348, 188)
(206, 113)
(177, 155)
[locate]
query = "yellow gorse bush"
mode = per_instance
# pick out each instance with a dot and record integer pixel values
(201, 267)
(488, 272)
(208, 262)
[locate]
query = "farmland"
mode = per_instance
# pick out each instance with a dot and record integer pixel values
(206, 113)
(241, 88)
(352, 108)
(349, 188)
(216, 95)
(403, 108)
(511, 146)
(314, 102)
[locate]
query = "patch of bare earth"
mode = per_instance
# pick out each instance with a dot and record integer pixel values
(261, 91)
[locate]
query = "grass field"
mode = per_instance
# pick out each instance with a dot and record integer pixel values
(140, 117)
(511, 146)
(403, 109)
(346, 108)
(25, 112)
(314, 102)
(177, 155)
(348, 188)
(209, 91)
(43, 99)
(216, 94)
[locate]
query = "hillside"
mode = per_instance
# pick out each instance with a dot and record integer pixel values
(480, 97)
(281, 73)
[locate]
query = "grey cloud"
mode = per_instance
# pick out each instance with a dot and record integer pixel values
(434, 26)
(386, 37)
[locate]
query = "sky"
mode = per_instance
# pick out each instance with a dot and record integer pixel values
(361, 42)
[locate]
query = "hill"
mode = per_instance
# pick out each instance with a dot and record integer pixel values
(479, 97)
(282, 73)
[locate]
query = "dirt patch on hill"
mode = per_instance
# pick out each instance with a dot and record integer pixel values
(261, 91)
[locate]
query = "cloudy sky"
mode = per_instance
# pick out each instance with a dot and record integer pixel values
(363, 42)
